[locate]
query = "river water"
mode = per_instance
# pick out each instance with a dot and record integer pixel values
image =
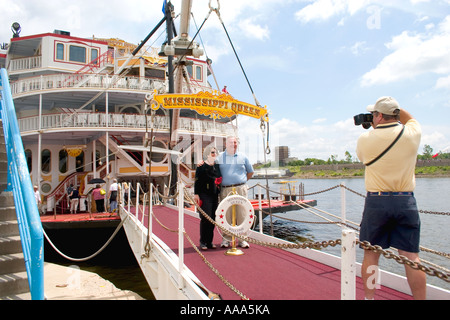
(432, 194)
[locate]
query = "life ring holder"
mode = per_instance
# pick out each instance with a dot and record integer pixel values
(238, 201)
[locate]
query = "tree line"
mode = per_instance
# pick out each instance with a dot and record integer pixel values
(427, 154)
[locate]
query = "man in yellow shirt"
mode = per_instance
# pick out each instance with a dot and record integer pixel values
(390, 216)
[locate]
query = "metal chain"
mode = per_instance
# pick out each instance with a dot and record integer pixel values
(209, 264)
(323, 244)
(347, 188)
(403, 260)
(314, 245)
(306, 245)
(218, 274)
(435, 212)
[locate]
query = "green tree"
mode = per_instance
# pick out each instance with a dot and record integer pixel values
(348, 157)
(427, 151)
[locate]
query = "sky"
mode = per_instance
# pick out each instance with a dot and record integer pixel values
(314, 63)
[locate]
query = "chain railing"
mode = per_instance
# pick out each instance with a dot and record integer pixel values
(323, 244)
(309, 208)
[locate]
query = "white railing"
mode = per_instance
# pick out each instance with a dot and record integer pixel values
(83, 81)
(25, 64)
(121, 120)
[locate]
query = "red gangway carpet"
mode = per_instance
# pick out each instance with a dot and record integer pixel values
(262, 273)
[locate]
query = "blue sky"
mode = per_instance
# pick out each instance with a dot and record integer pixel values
(315, 64)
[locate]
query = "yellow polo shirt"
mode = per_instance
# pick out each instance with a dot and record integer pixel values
(395, 170)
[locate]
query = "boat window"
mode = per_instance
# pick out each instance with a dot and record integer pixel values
(46, 156)
(159, 157)
(79, 161)
(77, 54)
(189, 69)
(28, 159)
(94, 56)
(198, 73)
(60, 51)
(131, 110)
(46, 188)
(63, 157)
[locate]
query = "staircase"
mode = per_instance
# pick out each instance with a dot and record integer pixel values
(13, 274)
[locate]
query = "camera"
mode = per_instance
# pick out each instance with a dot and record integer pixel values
(364, 119)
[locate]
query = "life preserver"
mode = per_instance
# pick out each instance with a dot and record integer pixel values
(244, 217)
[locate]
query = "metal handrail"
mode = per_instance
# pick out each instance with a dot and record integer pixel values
(19, 182)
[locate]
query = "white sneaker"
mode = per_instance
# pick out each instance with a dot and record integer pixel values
(244, 244)
(224, 244)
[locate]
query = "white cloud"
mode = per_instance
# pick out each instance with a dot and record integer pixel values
(358, 48)
(443, 83)
(321, 10)
(253, 30)
(419, 1)
(315, 140)
(319, 140)
(320, 120)
(413, 54)
(435, 137)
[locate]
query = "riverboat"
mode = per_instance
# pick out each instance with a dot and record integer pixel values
(79, 101)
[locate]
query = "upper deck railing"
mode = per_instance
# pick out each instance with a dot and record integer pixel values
(25, 63)
(86, 120)
(64, 81)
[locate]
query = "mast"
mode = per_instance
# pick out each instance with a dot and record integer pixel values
(181, 47)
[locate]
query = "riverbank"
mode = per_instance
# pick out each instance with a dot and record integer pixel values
(72, 283)
(421, 172)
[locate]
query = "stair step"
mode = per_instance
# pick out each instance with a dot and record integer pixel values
(13, 284)
(6, 199)
(20, 296)
(13, 262)
(8, 213)
(9, 228)
(11, 244)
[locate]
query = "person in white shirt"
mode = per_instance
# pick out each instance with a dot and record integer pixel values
(37, 196)
(112, 195)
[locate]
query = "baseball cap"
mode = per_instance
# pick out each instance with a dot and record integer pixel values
(385, 105)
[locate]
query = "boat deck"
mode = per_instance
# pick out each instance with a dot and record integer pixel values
(261, 273)
(279, 206)
(80, 220)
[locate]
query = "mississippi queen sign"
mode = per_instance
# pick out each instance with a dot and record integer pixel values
(212, 104)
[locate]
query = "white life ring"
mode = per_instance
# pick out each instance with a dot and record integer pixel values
(244, 216)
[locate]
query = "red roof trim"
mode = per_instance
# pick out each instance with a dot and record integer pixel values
(42, 35)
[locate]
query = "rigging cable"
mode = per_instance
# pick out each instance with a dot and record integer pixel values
(208, 61)
(216, 10)
(237, 57)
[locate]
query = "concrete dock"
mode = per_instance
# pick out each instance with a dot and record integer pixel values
(72, 283)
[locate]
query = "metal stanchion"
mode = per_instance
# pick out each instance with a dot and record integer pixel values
(233, 251)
